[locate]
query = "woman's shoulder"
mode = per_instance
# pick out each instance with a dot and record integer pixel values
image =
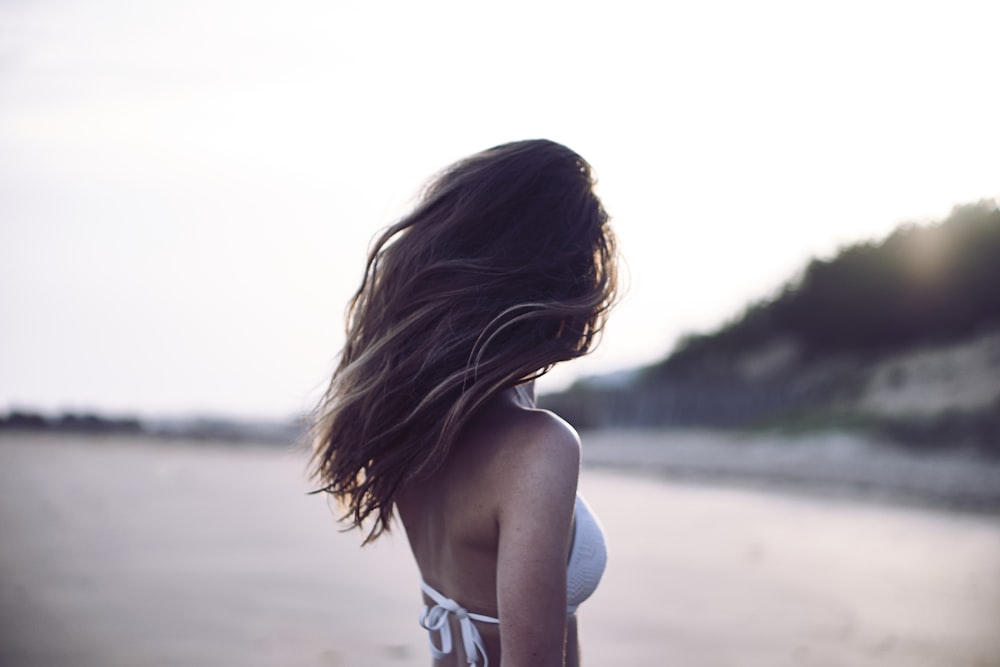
(527, 432)
(546, 434)
(531, 445)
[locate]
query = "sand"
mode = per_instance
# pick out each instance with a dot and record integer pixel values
(118, 552)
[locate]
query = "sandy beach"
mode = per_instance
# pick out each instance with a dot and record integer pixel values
(137, 552)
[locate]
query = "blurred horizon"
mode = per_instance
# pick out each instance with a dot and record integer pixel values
(187, 191)
(73, 417)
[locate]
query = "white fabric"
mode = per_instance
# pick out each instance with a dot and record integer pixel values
(435, 619)
(587, 559)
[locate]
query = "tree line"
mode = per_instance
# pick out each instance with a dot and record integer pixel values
(922, 285)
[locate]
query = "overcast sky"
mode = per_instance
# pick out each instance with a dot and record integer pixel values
(187, 188)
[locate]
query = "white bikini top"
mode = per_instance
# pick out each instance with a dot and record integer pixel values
(587, 558)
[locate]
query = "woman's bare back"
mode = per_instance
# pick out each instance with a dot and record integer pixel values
(500, 510)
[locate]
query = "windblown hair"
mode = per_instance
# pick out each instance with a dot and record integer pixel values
(506, 267)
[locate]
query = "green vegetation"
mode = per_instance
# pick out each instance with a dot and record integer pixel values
(806, 355)
(283, 433)
(923, 284)
(69, 422)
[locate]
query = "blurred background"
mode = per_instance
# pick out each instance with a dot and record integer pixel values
(806, 361)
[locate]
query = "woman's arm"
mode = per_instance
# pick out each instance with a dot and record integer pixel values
(572, 642)
(535, 516)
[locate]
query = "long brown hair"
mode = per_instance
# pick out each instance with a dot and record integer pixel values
(506, 267)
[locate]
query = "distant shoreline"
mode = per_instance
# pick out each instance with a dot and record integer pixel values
(193, 428)
(838, 465)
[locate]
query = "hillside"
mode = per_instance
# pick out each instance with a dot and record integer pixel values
(900, 335)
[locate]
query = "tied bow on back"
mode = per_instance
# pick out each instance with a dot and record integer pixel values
(435, 619)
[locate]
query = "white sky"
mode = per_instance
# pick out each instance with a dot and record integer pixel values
(187, 188)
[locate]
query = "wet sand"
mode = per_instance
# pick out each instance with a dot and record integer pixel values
(121, 552)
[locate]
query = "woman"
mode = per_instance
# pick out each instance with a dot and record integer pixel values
(505, 268)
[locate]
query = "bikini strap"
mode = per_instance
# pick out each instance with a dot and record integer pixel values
(435, 619)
